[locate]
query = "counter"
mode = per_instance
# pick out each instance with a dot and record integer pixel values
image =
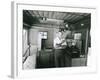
(62, 58)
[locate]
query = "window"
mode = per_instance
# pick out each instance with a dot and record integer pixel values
(44, 35)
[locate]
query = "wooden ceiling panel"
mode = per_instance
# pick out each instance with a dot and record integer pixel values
(30, 12)
(55, 15)
(46, 14)
(27, 13)
(36, 13)
(41, 13)
(50, 14)
(68, 16)
(59, 15)
(76, 18)
(63, 16)
(72, 17)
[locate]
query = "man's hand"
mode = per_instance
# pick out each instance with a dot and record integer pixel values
(58, 45)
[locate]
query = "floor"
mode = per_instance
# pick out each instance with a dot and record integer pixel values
(30, 63)
(46, 59)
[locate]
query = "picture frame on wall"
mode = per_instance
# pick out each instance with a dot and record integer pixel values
(37, 48)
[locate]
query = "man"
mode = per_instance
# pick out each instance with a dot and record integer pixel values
(68, 53)
(60, 44)
(60, 40)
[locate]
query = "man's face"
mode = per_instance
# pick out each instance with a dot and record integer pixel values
(69, 44)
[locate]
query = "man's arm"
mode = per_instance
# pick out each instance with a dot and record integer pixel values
(62, 41)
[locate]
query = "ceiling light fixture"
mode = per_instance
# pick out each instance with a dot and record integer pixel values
(66, 25)
(82, 24)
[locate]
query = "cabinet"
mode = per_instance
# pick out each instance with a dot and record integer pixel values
(78, 62)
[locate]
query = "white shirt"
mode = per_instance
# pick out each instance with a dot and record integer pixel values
(60, 37)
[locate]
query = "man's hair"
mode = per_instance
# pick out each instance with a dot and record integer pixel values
(61, 29)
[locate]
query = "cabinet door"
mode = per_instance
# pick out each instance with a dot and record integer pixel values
(83, 62)
(78, 62)
(75, 62)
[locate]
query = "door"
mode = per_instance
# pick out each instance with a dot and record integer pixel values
(33, 40)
